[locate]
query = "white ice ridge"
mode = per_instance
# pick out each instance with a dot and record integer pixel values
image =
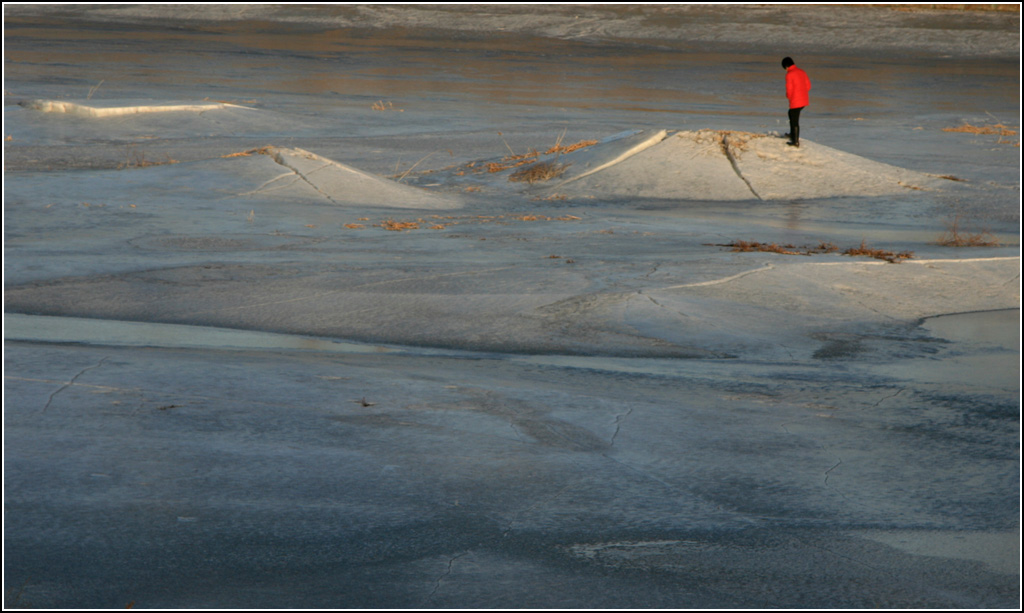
(627, 144)
(100, 110)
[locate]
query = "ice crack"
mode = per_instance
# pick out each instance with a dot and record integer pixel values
(49, 400)
(448, 571)
(277, 157)
(835, 466)
(618, 424)
(264, 185)
(735, 166)
(898, 392)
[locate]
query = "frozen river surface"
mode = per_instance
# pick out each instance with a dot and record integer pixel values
(276, 335)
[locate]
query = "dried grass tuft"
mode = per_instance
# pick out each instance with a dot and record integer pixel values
(749, 246)
(539, 172)
(820, 248)
(401, 177)
(878, 254)
(997, 128)
(731, 142)
(438, 222)
(560, 149)
(258, 151)
(513, 161)
(92, 90)
(399, 226)
(516, 160)
(953, 237)
(381, 105)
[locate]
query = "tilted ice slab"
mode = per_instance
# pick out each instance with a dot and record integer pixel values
(269, 177)
(607, 153)
(724, 165)
(121, 108)
(343, 184)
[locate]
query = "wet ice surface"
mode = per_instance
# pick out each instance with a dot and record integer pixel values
(227, 383)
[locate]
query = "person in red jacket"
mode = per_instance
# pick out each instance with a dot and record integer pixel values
(798, 86)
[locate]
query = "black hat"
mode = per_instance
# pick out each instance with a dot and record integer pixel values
(787, 62)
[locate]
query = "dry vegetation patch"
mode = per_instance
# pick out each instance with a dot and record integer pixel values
(381, 105)
(541, 171)
(509, 161)
(878, 254)
(265, 150)
(516, 160)
(732, 143)
(441, 222)
(822, 247)
(994, 129)
(559, 148)
(400, 226)
(955, 237)
(513, 161)
(749, 246)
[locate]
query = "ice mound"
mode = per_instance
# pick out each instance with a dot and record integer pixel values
(265, 176)
(343, 184)
(120, 108)
(776, 171)
(722, 165)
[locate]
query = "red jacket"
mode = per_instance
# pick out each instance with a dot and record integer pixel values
(798, 84)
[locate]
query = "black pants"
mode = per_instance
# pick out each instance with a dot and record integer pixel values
(794, 124)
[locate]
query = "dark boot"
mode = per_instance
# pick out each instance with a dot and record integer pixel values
(794, 139)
